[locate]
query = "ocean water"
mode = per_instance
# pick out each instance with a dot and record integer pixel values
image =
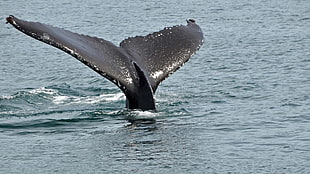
(240, 105)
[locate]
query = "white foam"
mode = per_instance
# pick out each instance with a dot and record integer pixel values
(145, 113)
(138, 114)
(60, 99)
(115, 97)
(41, 90)
(44, 91)
(88, 99)
(7, 97)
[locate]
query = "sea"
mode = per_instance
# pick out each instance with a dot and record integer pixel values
(241, 104)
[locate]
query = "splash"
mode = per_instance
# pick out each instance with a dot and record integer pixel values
(43, 90)
(57, 97)
(34, 92)
(62, 99)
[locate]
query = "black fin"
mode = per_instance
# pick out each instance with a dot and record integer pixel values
(162, 53)
(100, 55)
(144, 96)
(136, 67)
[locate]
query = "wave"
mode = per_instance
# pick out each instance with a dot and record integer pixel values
(61, 108)
(48, 99)
(63, 99)
(57, 97)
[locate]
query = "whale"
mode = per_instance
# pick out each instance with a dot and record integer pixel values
(137, 66)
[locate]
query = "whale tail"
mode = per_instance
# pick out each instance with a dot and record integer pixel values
(137, 66)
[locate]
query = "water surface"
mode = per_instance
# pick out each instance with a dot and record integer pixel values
(240, 105)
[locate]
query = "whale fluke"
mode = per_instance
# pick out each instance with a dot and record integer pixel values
(137, 66)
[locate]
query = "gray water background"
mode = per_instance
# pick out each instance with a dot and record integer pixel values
(240, 105)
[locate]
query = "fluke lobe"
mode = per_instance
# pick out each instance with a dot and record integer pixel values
(137, 66)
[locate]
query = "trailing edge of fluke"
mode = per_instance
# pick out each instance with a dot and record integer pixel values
(137, 66)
